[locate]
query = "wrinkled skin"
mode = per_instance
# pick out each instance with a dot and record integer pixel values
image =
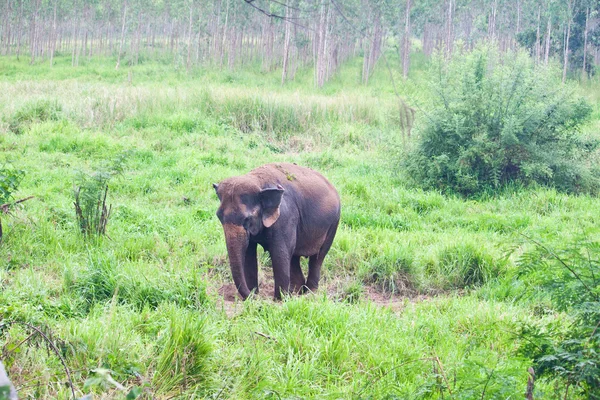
(291, 212)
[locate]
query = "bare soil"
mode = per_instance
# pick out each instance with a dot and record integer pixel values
(230, 301)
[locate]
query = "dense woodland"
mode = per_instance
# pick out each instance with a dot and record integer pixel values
(296, 33)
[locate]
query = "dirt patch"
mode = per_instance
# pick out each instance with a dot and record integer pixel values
(229, 300)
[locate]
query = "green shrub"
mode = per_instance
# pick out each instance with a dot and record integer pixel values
(462, 265)
(569, 351)
(35, 111)
(501, 119)
(10, 179)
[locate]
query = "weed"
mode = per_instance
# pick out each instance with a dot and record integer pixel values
(183, 352)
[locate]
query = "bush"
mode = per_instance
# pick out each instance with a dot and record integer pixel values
(36, 111)
(569, 351)
(501, 119)
(10, 179)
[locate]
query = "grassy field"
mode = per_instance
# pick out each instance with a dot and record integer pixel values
(421, 296)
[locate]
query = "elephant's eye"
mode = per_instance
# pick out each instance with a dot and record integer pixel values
(246, 223)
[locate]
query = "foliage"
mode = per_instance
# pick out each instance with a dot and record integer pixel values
(10, 179)
(571, 278)
(499, 120)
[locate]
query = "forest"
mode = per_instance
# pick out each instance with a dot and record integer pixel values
(292, 34)
(463, 138)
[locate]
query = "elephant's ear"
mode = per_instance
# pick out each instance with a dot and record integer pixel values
(216, 187)
(270, 199)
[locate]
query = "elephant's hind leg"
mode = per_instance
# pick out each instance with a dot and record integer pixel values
(297, 280)
(315, 262)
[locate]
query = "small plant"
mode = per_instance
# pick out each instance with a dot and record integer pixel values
(10, 179)
(571, 278)
(90, 194)
(37, 111)
(90, 202)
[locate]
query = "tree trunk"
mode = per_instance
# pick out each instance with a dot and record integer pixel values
(449, 40)
(34, 33)
(189, 41)
(406, 44)
(566, 45)
(286, 45)
(537, 37)
(548, 34)
(122, 36)
(585, 39)
(53, 37)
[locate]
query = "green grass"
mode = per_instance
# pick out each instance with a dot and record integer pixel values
(143, 301)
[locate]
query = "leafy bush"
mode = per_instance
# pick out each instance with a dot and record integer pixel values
(571, 351)
(36, 111)
(10, 179)
(501, 119)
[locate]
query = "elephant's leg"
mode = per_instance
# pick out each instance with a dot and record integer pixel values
(315, 262)
(281, 260)
(297, 280)
(251, 268)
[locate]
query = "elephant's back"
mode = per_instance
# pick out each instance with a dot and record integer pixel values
(306, 184)
(293, 175)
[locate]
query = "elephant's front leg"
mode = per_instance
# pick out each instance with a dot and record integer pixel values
(281, 260)
(251, 268)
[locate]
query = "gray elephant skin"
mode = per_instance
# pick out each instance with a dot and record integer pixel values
(291, 211)
(7, 390)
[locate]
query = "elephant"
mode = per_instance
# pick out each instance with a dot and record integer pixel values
(291, 211)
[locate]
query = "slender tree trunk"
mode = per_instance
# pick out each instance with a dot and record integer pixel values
(585, 40)
(53, 36)
(224, 34)
(189, 41)
(537, 37)
(449, 40)
(34, 33)
(406, 44)
(122, 36)
(286, 45)
(322, 52)
(6, 35)
(19, 27)
(548, 35)
(566, 45)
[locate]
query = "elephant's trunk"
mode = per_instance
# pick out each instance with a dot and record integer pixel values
(236, 238)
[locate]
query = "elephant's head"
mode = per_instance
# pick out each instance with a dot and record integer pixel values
(246, 209)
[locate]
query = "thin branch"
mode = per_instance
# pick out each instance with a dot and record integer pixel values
(271, 15)
(265, 336)
(52, 346)
(571, 270)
